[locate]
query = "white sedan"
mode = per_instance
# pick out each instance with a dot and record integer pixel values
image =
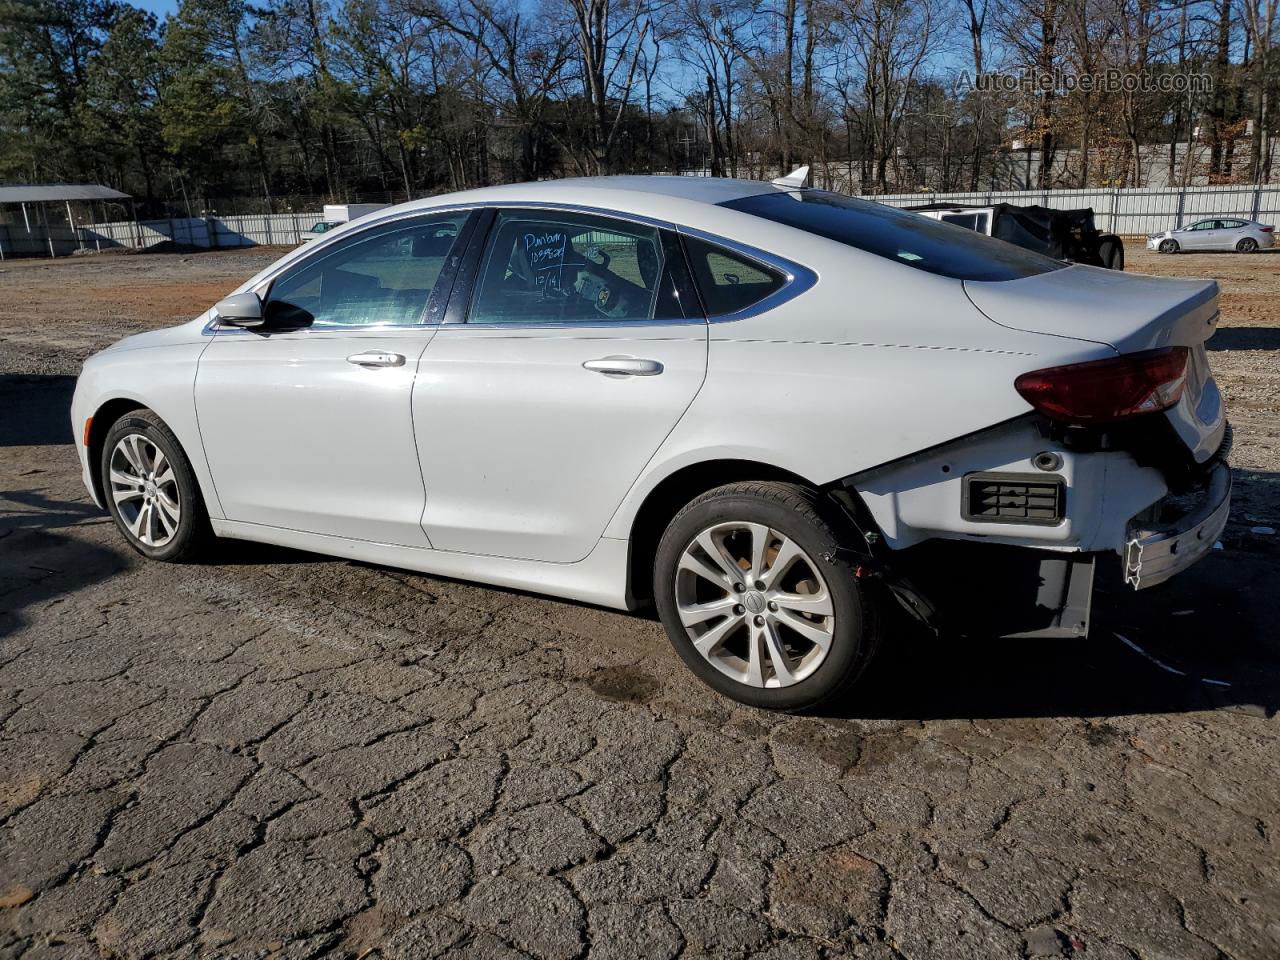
(784, 416)
(1216, 233)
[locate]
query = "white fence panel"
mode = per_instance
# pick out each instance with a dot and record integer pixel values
(1129, 212)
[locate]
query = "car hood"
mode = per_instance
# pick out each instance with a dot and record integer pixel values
(1124, 311)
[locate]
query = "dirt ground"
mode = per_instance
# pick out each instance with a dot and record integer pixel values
(278, 754)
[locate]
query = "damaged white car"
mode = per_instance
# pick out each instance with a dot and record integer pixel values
(773, 411)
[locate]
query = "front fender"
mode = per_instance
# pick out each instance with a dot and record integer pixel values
(160, 378)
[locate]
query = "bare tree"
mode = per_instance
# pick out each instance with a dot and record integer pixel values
(1031, 30)
(609, 37)
(711, 36)
(976, 27)
(515, 49)
(888, 41)
(1259, 23)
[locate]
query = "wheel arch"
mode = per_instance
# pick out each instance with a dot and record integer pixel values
(104, 418)
(666, 499)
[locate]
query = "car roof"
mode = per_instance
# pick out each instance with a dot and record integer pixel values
(658, 197)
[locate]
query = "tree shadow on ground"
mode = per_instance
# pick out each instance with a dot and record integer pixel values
(36, 410)
(37, 563)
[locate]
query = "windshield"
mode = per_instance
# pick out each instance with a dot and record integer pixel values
(898, 235)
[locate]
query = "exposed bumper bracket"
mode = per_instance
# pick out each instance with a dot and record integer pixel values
(1155, 551)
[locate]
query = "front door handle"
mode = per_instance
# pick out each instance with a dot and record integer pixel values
(624, 367)
(375, 358)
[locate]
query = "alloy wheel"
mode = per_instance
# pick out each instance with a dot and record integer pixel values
(145, 490)
(754, 605)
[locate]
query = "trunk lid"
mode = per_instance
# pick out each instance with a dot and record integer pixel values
(1128, 313)
(1125, 311)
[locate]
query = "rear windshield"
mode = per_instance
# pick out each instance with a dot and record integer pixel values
(898, 235)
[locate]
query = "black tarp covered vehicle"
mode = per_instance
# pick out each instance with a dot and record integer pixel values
(1061, 234)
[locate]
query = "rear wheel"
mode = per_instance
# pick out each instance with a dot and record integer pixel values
(761, 598)
(1111, 253)
(151, 490)
(1247, 245)
(1168, 246)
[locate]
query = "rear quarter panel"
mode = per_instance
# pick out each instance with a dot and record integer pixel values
(875, 362)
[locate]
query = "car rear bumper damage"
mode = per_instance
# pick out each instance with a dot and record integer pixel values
(1177, 531)
(1133, 506)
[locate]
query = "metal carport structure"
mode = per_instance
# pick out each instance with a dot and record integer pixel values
(40, 196)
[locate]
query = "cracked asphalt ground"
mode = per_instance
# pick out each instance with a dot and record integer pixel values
(278, 754)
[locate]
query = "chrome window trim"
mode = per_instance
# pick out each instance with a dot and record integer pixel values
(213, 329)
(575, 325)
(798, 279)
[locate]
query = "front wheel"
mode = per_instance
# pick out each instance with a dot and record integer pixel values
(761, 597)
(1168, 246)
(1247, 245)
(151, 490)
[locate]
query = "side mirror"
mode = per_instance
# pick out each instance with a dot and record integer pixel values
(240, 310)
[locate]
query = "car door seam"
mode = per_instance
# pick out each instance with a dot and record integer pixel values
(706, 369)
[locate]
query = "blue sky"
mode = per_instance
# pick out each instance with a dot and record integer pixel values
(161, 8)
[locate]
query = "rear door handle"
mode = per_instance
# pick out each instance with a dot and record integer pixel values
(375, 358)
(624, 367)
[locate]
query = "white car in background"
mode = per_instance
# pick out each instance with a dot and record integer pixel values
(776, 412)
(1215, 233)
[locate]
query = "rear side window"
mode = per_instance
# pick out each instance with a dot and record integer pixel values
(727, 281)
(898, 235)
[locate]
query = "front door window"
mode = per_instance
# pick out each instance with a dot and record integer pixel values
(380, 276)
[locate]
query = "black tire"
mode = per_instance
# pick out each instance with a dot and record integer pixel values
(192, 532)
(1111, 253)
(826, 537)
(1168, 246)
(1247, 245)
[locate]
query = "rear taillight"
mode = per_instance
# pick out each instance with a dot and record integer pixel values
(1267, 229)
(1111, 389)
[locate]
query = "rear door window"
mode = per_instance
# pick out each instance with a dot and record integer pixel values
(729, 282)
(899, 235)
